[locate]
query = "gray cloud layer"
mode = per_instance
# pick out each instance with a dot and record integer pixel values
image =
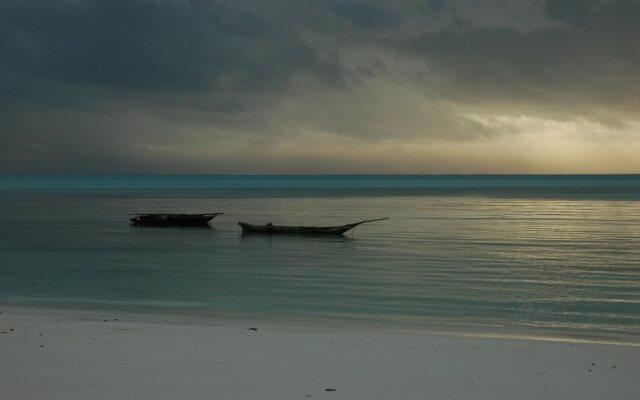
(316, 86)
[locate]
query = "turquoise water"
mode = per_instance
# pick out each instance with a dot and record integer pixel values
(558, 253)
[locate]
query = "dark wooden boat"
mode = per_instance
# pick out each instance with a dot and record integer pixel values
(301, 230)
(173, 219)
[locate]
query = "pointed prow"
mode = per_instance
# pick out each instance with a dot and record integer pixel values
(368, 220)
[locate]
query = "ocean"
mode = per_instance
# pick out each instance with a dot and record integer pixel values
(553, 255)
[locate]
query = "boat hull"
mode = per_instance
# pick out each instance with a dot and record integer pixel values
(171, 220)
(295, 230)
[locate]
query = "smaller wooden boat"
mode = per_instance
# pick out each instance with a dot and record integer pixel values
(301, 230)
(173, 219)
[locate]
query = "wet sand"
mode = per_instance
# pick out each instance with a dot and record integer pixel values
(63, 355)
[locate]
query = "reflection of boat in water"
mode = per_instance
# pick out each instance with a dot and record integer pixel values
(301, 230)
(173, 219)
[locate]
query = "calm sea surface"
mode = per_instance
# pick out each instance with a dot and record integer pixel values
(555, 253)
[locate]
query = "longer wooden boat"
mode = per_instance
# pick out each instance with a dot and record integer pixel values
(301, 230)
(173, 219)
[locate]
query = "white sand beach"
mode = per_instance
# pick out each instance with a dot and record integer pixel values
(65, 355)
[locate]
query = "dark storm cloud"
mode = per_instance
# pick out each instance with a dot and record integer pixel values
(368, 15)
(107, 85)
(70, 69)
(592, 54)
(154, 45)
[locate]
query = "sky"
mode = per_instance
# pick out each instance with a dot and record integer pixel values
(319, 86)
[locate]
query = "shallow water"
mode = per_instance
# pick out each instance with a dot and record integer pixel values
(554, 253)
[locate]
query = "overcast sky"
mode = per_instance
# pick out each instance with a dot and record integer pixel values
(319, 86)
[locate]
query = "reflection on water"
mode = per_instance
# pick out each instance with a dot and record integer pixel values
(564, 263)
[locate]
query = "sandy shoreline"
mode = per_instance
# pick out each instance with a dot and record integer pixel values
(56, 355)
